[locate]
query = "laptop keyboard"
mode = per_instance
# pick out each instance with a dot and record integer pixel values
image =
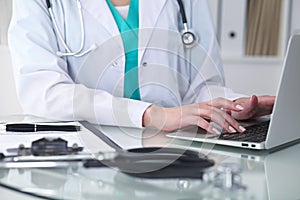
(256, 133)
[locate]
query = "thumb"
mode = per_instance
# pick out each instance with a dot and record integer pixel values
(253, 101)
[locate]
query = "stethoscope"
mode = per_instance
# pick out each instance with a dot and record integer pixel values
(188, 36)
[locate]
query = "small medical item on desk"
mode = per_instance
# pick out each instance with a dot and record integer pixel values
(47, 147)
(27, 127)
(226, 177)
(44, 149)
(155, 162)
(45, 152)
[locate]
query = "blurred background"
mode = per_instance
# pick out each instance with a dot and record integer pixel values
(8, 99)
(253, 37)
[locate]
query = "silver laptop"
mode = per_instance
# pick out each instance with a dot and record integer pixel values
(284, 124)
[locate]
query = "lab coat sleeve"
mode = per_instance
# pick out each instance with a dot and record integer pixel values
(210, 71)
(44, 86)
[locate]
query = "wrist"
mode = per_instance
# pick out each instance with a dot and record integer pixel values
(146, 121)
(152, 116)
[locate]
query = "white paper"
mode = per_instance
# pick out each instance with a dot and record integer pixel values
(84, 138)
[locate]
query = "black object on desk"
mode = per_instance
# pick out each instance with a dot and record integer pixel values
(46, 147)
(153, 162)
(40, 127)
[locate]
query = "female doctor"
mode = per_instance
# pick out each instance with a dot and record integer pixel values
(135, 63)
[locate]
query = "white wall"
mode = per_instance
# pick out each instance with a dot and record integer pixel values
(8, 98)
(295, 24)
(5, 15)
(253, 76)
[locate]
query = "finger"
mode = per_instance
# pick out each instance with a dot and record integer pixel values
(222, 119)
(266, 100)
(207, 126)
(226, 110)
(233, 125)
(253, 101)
(227, 122)
(225, 104)
(263, 106)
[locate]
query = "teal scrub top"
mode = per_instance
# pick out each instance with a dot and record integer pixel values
(129, 30)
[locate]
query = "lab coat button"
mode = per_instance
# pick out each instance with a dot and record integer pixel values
(114, 64)
(145, 64)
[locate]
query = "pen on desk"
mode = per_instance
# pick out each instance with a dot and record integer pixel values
(40, 127)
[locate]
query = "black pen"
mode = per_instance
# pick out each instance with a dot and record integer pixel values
(40, 127)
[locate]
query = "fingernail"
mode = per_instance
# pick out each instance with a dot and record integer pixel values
(232, 130)
(242, 128)
(216, 131)
(239, 107)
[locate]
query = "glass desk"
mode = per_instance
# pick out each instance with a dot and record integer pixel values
(237, 174)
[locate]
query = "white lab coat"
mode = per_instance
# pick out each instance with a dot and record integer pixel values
(91, 87)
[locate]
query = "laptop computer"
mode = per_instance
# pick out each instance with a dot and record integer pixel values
(283, 126)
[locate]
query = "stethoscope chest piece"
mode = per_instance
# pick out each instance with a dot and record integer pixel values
(189, 38)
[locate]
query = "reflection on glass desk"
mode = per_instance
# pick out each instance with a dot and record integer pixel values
(237, 174)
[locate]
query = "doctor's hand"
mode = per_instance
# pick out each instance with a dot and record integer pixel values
(200, 114)
(254, 106)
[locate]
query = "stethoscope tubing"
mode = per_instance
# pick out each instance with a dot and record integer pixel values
(189, 38)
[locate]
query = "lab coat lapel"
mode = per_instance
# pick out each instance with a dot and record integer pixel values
(150, 11)
(100, 11)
